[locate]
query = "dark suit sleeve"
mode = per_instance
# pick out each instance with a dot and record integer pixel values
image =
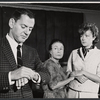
(45, 76)
(4, 82)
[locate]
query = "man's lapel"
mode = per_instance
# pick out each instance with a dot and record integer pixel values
(25, 55)
(8, 53)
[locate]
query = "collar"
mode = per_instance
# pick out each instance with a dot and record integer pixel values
(58, 64)
(80, 51)
(54, 60)
(12, 42)
(87, 49)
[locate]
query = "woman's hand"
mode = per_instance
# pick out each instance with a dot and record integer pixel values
(76, 73)
(81, 79)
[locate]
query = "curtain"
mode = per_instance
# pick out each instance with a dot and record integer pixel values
(49, 25)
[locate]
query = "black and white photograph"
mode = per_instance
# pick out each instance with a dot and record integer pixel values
(49, 50)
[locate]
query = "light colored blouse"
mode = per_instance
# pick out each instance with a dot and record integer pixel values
(91, 64)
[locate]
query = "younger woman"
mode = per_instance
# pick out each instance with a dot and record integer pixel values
(84, 65)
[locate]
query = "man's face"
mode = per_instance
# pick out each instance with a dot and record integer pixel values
(21, 29)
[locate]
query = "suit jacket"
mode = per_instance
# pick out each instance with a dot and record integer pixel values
(7, 63)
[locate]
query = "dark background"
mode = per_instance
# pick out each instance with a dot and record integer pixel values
(49, 25)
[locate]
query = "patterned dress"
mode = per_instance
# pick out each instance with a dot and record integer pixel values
(57, 75)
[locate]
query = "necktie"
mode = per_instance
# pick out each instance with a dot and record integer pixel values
(19, 58)
(19, 64)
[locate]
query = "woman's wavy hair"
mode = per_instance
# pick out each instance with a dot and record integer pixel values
(93, 28)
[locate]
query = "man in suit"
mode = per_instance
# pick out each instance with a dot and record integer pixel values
(17, 77)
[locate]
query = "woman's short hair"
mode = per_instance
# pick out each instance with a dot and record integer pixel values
(93, 28)
(54, 41)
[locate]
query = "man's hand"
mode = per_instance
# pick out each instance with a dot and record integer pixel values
(21, 82)
(23, 72)
(36, 78)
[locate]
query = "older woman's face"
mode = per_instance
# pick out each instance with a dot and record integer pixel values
(57, 50)
(87, 39)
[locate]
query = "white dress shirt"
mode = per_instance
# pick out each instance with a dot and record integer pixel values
(13, 45)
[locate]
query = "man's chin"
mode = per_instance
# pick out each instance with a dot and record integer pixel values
(84, 45)
(21, 41)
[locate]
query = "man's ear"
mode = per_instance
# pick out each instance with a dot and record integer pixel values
(11, 22)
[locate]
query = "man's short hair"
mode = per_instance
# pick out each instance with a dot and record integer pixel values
(18, 12)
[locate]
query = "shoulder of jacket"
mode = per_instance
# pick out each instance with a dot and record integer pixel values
(29, 47)
(49, 62)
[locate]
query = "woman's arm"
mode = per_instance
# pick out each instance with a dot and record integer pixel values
(90, 76)
(81, 79)
(62, 83)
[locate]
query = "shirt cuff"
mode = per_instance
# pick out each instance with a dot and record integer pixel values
(39, 79)
(9, 77)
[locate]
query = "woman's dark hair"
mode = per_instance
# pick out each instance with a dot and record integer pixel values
(54, 41)
(17, 14)
(93, 28)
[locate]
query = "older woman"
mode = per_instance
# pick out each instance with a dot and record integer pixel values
(84, 65)
(56, 87)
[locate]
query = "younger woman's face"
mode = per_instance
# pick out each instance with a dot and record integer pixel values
(87, 39)
(57, 50)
